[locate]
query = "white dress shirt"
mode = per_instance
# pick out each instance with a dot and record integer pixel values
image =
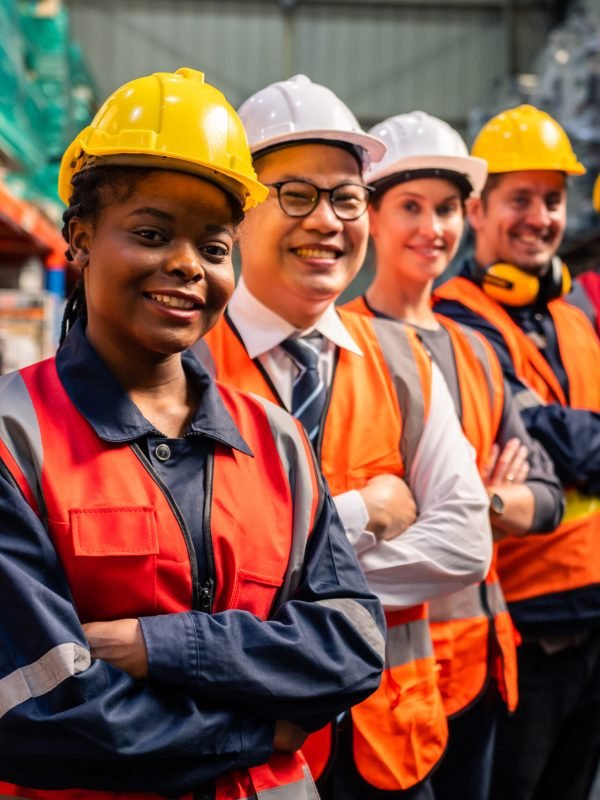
(450, 544)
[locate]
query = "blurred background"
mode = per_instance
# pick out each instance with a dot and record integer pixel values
(462, 60)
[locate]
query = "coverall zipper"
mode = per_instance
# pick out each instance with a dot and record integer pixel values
(202, 594)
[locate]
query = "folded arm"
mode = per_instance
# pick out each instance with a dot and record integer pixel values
(450, 544)
(102, 718)
(320, 653)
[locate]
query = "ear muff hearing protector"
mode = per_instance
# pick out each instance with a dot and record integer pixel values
(512, 286)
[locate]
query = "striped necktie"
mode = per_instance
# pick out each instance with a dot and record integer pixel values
(308, 393)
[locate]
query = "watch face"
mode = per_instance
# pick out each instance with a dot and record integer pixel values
(496, 503)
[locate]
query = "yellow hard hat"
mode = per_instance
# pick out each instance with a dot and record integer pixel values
(596, 195)
(525, 138)
(169, 120)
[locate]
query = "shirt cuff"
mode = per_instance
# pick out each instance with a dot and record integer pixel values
(172, 647)
(548, 509)
(354, 515)
(257, 737)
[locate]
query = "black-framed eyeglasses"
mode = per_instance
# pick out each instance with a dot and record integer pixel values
(300, 198)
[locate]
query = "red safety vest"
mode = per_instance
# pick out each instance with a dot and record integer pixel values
(467, 648)
(400, 732)
(569, 557)
(125, 554)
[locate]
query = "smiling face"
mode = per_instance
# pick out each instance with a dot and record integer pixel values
(157, 264)
(297, 266)
(521, 220)
(416, 228)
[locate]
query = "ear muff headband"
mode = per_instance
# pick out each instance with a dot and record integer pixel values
(511, 286)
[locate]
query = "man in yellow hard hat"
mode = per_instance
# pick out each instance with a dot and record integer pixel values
(512, 291)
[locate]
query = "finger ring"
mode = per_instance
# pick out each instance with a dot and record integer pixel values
(510, 477)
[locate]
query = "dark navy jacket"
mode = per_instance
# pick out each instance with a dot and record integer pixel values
(101, 729)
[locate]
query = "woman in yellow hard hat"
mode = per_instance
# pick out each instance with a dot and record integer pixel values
(181, 602)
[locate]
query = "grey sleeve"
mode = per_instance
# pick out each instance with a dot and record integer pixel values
(542, 480)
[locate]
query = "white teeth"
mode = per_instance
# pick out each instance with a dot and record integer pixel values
(313, 252)
(530, 239)
(173, 302)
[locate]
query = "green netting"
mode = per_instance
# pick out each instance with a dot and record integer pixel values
(46, 93)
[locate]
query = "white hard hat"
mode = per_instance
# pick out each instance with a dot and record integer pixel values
(419, 143)
(297, 110)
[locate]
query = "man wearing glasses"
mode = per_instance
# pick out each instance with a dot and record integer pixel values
(378, 414)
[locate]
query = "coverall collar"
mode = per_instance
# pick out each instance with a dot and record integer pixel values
(114, 416)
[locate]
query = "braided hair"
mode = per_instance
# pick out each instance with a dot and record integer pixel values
(93, 189)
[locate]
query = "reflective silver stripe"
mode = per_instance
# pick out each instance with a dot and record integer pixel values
(202, 351)
(464, 604)
(44, 675)
(299, 471)
(361, 619)
(483, 357)
(304, 789)
(408, 642)
(20, 432)
(495, 598)
(527, 399)
(467, 603)
(404, 372)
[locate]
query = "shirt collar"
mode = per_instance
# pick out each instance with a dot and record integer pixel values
(262, 330)
(114, 416)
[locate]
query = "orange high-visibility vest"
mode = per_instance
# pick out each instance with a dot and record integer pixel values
(467, 647)
(400, 732)
(567, 559)
(116, 508)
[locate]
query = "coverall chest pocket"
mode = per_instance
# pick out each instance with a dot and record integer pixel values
(110, 556)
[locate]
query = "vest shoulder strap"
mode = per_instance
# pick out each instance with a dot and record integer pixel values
(530, 365)
(579, 348)
(258, 417)
(486, 356)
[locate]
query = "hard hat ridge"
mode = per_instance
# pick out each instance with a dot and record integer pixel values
(525, 138)
(168, 120)
(298, 111)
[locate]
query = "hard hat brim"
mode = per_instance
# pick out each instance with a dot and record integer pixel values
(370, 145)
(248, 192)
(470, 167)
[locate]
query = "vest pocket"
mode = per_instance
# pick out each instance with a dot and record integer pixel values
(255, 592)
(127, 531)
(110, 555)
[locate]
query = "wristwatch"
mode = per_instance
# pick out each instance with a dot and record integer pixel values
(496, 504)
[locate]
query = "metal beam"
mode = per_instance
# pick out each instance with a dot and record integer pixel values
(365, 5)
